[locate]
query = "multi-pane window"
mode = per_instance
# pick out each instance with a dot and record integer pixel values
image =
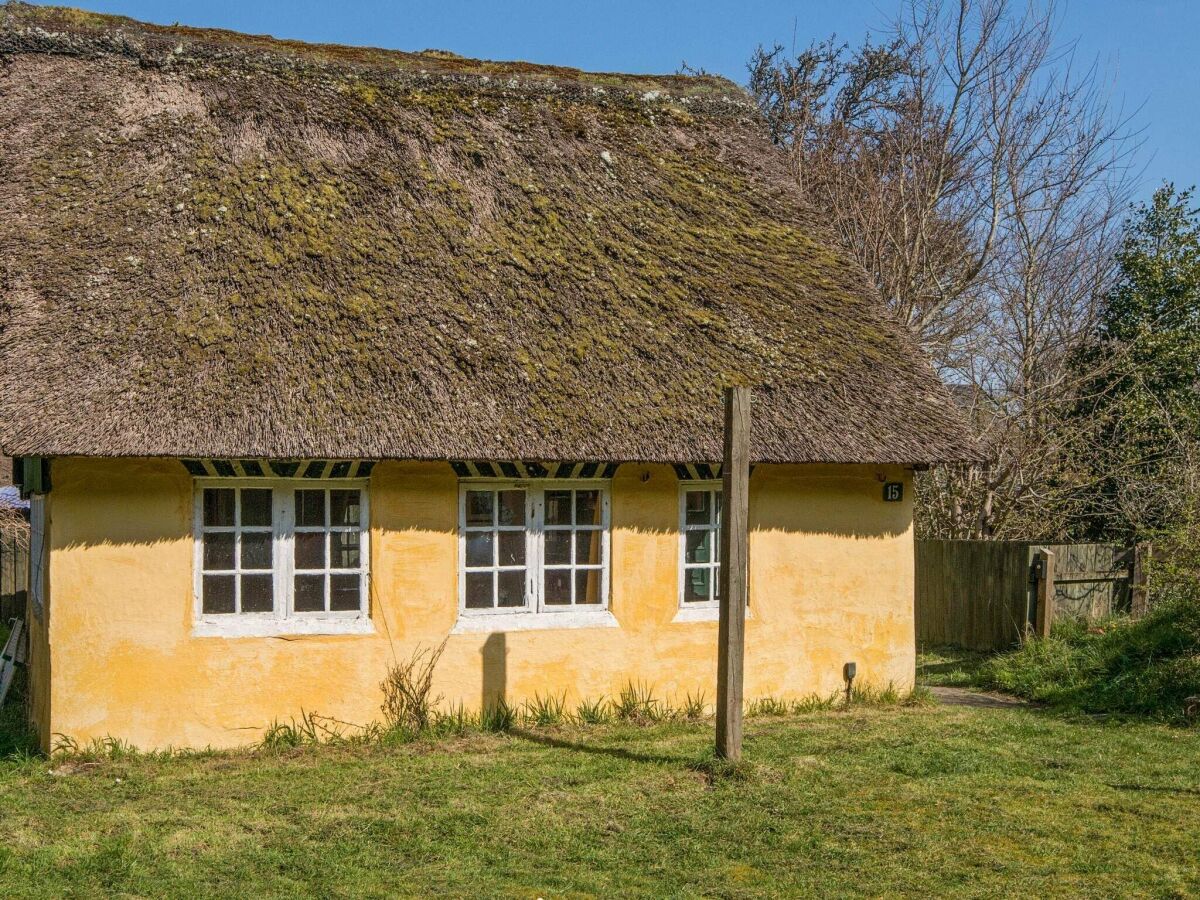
(573, 562)
(496, 548)
(281, 551)
(700, 523)
(238, 551)
(533, 548)
(328, 572)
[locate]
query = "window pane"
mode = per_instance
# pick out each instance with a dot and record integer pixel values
(512, 589)
(512, 548)
(310, 508)
(479, 590)
(344, 507)
(699, 546)
(587, 507)
(344, 592)
(479, 507)
(310, 549)
(218, 594)
(558, 547)
(587, 586)
(558, 587)
(218, 550)
(343, 545)
(218, 506)
(699, 508)
(512, 507)
(558, 507)
(256, 506)
(696, 584)
(589, 548)
(257, 595)
(256, 549)
(310, 593)
(479, 548)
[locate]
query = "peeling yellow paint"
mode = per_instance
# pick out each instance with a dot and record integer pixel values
(831, 581)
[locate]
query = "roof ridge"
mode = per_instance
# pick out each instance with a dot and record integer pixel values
(61, 30)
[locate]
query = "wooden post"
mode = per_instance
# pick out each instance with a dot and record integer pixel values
(1139, 581)
(1045, 592)
(734, 572)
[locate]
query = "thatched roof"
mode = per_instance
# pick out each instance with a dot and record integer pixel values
(220, 245)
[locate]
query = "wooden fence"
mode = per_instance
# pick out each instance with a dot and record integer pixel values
(983, 595)
(14, 573)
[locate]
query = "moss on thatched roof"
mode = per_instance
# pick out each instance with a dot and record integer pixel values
(220, 245)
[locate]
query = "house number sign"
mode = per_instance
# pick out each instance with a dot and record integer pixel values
(893, 492)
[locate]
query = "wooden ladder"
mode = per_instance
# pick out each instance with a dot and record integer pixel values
(12, 655)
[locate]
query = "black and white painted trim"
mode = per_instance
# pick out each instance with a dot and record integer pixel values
(521, 469)
(323, 468)
(278, 468)
(697, 471)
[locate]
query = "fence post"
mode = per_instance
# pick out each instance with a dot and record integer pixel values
(1139, 582)
(733, 577)
(1045, 592)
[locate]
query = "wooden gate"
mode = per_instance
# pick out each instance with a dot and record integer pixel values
(983, 595)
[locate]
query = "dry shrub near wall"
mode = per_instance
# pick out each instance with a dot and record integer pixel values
(14, 525)
(408, 700)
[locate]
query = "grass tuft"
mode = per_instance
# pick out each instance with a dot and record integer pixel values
(716, 769)
(498, 716)
(454, 722)
(545, 711)
(594, 712)
(694, 706)
(768, 706)
(636, 703)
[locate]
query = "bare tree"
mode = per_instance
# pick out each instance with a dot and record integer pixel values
(978, 175)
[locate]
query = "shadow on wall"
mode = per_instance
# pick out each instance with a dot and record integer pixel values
(495, 670)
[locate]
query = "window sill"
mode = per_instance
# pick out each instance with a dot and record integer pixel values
(702, 614)
(268, 627)
(484, 623)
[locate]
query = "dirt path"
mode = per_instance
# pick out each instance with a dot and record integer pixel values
(952, 696)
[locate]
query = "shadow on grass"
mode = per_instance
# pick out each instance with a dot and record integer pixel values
(950, 667)
(16, 737)
(1154, 789)
(596, 750)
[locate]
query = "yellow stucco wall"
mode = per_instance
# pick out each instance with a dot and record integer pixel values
(831, 581)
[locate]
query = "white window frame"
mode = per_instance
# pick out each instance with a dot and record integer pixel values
(536, 613)
(284, 619)
(711, 606)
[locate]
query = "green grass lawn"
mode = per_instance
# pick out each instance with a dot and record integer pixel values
(949, 666)
(885, 801)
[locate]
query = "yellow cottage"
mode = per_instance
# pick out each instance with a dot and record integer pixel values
(315, 356)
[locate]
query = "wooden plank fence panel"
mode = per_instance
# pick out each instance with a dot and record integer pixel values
(979, 594)
(14, 574)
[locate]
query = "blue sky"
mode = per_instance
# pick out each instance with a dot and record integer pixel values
(1148, 48)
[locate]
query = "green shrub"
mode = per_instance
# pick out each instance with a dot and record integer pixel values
(1145, 667)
